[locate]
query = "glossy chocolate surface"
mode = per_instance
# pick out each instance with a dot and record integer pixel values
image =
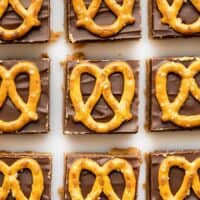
(11, 20)
(101, 111)
(8, 111)
(190, 107)
(104, 17)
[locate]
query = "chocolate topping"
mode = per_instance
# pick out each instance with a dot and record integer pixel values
(176, 174)
(25, 177)
(104, 17)
(87, 178)
(11, 20)
(8, 111)
(101, 111)
(188, 14)
(190, 107)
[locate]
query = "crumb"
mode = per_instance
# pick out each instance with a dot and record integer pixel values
(55, 36)
(63, 63)
(44, 55)
(76, 56)
(73, 57)
(144, 186)
(79, 45)
(61, 192)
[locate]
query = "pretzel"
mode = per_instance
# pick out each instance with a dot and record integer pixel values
(102, 87)
(8, 88)
(170, 16)
(188, 85)
(102, 182)
(85, 16)
(11, 183)
(191, 177)
(30, 17)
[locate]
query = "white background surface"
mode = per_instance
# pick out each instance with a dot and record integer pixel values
(57, 143)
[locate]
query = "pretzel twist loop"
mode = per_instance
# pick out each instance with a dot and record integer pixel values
(11, 183)
(191, 177)
(170, 16)
(102, 182)
(8, 88)
(102, 87)
(30, 17)
(86, 16)
(188, 85)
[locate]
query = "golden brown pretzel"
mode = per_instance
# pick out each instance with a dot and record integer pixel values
(191, 177)
(102, 87)
(188, 85)
(170, 16)
(102, 182)
(8, 88)
(11, 183)
(86, 16)
(30, 17)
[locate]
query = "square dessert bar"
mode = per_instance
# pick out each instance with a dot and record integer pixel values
(173, 97)
(103, 26)
(90, 112)
(24, 96)
(177, 169)
(120, 167)
(33, 28)
(183, 24)
(25, 175)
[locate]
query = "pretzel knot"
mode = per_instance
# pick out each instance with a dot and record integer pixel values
(8, 88)
(170, 16)
(29, 16)
(11, 183)
(102, 182)
(102, 87)
(188, 85)
(191, 177)
(85, 16)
